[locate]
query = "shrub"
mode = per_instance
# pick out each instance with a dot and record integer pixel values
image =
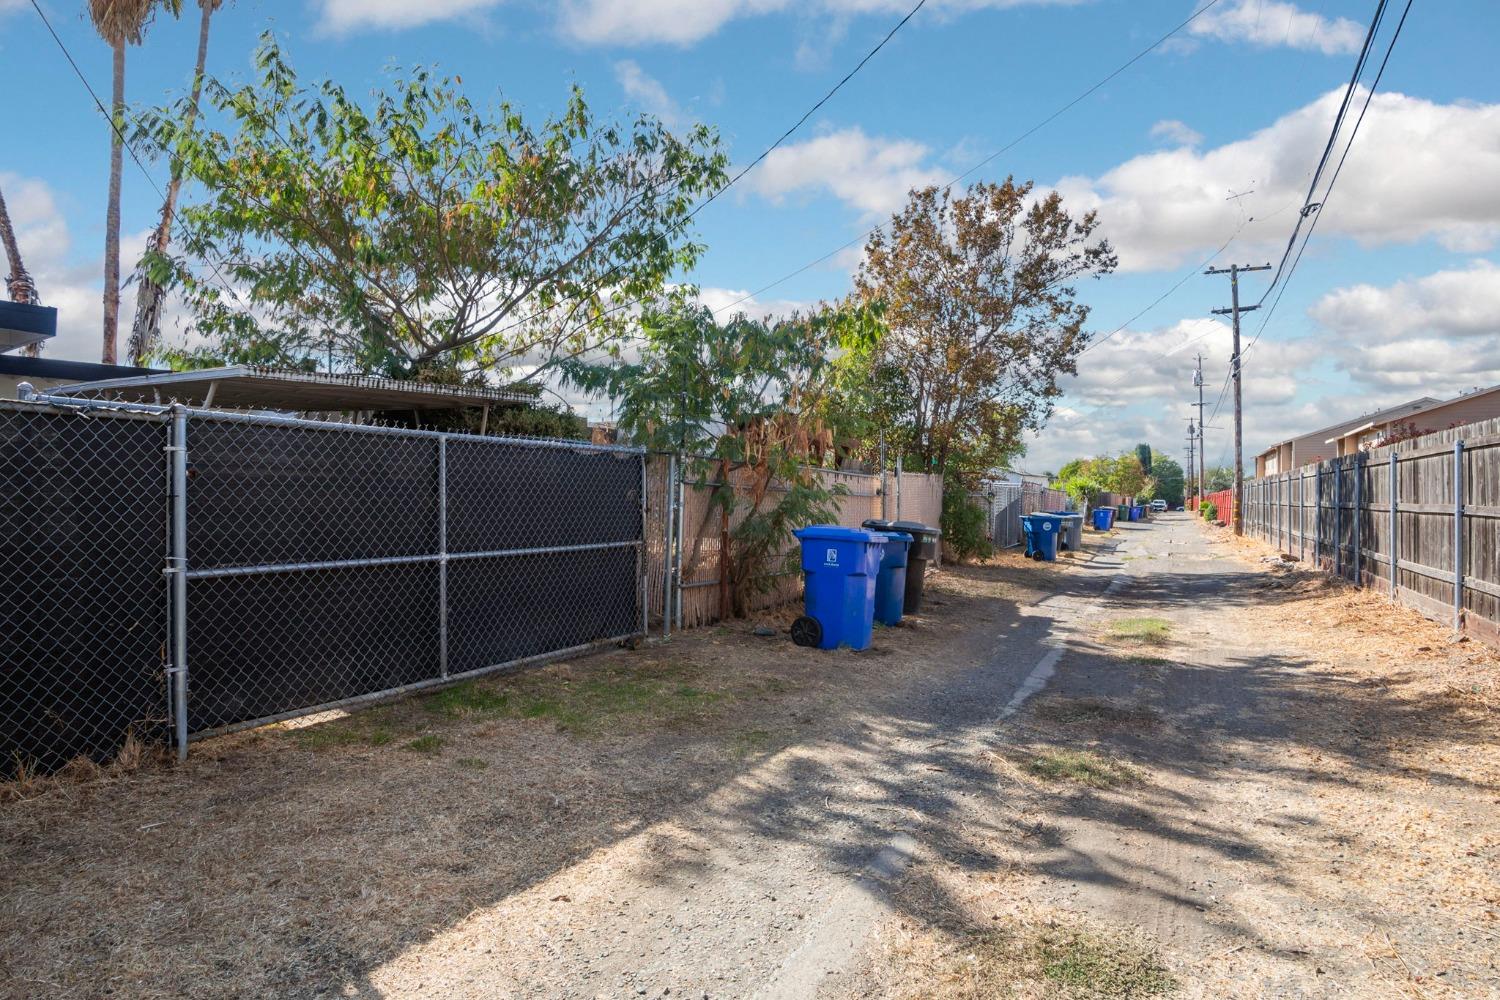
(1210, 511)
(965, 532)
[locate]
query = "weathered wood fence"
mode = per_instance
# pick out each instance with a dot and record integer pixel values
(1419, 519)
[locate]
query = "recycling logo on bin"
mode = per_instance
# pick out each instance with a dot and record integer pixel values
(832, 559)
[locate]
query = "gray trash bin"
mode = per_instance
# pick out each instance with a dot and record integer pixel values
(1072, 538)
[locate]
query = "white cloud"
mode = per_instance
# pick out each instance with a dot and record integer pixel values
(75, 289)
(870, 173)
(1413, 174)
(344, 16)
(1274, 23)
(1438, 333)
(1176, 132)
(682, 22)
(647, 92)
(726, 302)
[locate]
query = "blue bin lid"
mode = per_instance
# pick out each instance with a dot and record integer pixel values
(836, 533)
(886, 536)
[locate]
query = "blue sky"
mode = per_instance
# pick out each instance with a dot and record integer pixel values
(1396, 297)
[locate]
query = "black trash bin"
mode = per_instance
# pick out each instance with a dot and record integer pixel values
(924, 549)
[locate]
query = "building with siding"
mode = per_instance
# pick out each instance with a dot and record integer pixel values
(1314, 446)
(1467, 408)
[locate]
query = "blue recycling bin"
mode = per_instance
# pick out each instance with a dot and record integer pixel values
(1135, 513)
(840, 568)
(890, 585)
(1042, 532)
(1104, 518)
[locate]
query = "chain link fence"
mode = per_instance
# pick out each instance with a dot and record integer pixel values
(195, 572)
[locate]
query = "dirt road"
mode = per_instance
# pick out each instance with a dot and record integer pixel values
(1159, 769)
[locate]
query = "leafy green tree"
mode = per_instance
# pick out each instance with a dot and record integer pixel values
(420, 228)
(1170, 481)
(1125, 475)
(983, 315)
(743, 403)
(1143, 455)
(1218, 477)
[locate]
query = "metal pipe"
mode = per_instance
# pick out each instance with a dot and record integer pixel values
(1395, 490)
(442, 540)
(282, 420)
(1358, 532)
(177, 450)
(884, 484)
(642, 584)
(898, 485)
(434, 557)
(1458, 535)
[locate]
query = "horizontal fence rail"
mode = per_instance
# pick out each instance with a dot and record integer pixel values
(174, 573)
(1419, 519)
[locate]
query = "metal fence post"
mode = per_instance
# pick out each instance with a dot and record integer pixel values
(898, 486)
(1338, 516)
(1458, 535)
(1358, 526)
(1395, 490)
(885, 486)
(442, 498)
(177, 452)
(643, 568)
(1318, 514)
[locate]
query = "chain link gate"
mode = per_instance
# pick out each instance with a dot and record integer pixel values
(276, 567)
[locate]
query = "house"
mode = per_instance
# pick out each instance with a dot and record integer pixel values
(46, 374)
(1466, 408)
(1314, 446)
(1010, 476)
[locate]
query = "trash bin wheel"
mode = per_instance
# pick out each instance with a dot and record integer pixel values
(807, 631)
(1037, 555)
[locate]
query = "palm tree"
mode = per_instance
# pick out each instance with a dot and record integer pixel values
(149, 292)
(119, 23)
(18, 283)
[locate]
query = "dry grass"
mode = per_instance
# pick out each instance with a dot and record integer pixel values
(1018, 955)
(1095, 712)
(297, 858)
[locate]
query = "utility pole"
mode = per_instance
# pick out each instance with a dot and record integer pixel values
(1234, 270)
(1202, 445)
(1192, 436)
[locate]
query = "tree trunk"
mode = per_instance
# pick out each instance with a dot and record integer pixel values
(112, 212)
(149, 292)
(18, 283)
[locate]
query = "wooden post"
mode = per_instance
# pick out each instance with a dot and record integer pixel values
(1395, 490)
(1458, 535)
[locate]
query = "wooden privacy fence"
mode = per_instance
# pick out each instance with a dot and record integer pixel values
(1419, 519)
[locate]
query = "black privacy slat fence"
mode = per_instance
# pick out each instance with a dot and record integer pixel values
(305, 565)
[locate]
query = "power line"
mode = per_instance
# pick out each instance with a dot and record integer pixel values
(1309, 207)
(810, 111)
(1369, 96)
(988, 159)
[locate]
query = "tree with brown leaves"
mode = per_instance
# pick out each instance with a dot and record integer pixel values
(983, 316)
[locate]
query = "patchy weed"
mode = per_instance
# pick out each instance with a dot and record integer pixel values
(431, 743)
(1083, 767)
(1096, 712)
(1143, 631)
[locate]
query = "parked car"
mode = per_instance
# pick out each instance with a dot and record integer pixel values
(1158, 506)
